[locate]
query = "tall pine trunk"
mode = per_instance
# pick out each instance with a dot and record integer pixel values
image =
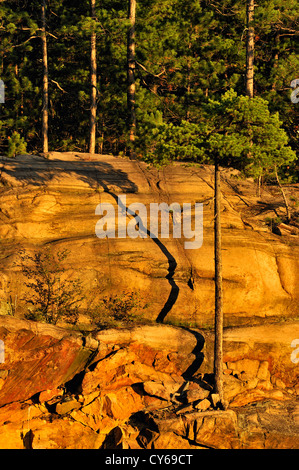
(218, 345)
(131, 63)
(250, 66)
(45, 110)
(93, 84)
(250, 48)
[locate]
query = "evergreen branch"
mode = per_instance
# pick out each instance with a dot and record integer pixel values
(221, 12)
(52, 35)
(58, 86)
(23, 43)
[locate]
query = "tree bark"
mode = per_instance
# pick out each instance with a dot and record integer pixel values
(45, 110)
(218, 346)
(250, 48)
(288, 212)
(93, 84)
(188, 84)
(259, 184)
(276, 61)
(131, 64)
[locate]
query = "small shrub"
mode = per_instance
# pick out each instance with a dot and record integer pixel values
(294, 201)
(16, 145)
(51, 296)
(273, 221)
(115, 310)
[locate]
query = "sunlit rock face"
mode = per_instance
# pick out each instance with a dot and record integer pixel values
(150, 385)
(54, 202)
(145, 387)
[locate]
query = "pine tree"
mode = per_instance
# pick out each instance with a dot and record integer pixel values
(131, 64)
(16, 145)
(19, 113)
(218, 327)
(250, 48)
(45, 113)
(247, 136)
(188, 52)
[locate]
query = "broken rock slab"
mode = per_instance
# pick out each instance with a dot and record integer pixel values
(38, 357)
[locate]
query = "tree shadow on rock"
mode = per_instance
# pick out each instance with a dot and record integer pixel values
(38, 171)
(28, 439)
(197, 352)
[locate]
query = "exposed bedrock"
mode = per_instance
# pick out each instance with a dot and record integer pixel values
(53, 202)
(145, 387)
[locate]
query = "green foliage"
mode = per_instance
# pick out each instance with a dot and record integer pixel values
(176, 142)
(150, 125)
(273, 221)
(16, 145)
(159, 142)
(188, 52)
(52, 296)
(244, 134)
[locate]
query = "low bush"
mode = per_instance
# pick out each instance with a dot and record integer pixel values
(51, 296)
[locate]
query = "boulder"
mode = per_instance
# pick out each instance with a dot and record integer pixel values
(249, 366)
(120, 405)
(160, 390)
(61, 434)
(65, 407)
(203, 405)
(195, 394)
(144, 354)
(263, 372)
(49, 395)
(38, 357)
(139, 392)
(212, 429)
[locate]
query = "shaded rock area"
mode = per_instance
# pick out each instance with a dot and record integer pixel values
(52, 202)
(145, 387)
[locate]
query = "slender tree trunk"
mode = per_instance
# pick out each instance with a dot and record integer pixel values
(45, 111)
(250, 62)
(218, 346)
(276, 60)
(250, 48)
(131, 63)
(259, 183)
(188, 84)
(93, 84)
(288, 212)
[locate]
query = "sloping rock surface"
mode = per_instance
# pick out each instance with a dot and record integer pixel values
(53, 202)
(37, 357)
(150, 386)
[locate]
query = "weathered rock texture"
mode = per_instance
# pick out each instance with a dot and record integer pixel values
(37, 357)
(147, 387)
(53, 202)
